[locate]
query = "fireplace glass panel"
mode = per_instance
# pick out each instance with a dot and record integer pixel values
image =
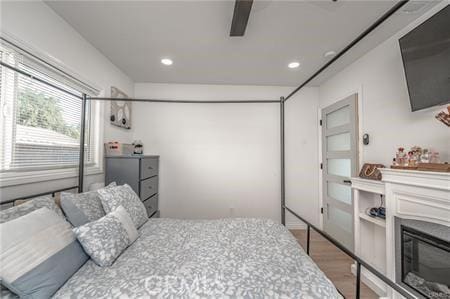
(425, 263)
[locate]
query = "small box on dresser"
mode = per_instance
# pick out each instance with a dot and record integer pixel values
(141, 172)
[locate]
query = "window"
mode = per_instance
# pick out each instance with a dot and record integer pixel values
(40, 124)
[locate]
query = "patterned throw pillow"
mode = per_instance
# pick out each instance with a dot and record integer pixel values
(124, 196)
(38, 254)
(105, 239)
(84, 207)
(30, 206)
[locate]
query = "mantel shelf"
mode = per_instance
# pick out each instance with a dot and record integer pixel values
(374, 220)
(423, 179)
(372, 186)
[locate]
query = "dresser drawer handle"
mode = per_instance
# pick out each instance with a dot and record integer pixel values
(150, 167)
(149, 187)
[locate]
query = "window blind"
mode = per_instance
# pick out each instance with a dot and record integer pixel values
(40, 123)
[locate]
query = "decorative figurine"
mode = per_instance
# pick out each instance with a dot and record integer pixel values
(425, 157)
(412, 159)
(138, 147)
(401, 157)
(434, 157)
(444, 116)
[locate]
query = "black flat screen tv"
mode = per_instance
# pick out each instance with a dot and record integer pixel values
(426, 60)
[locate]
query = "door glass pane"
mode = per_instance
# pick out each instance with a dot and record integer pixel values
(340, 218)
(340, 192)
(339, 142)
(339, 117)
(341, 167)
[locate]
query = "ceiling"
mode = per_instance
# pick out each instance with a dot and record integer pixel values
(136, 35)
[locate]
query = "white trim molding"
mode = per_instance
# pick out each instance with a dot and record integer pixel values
(424, 179)
(22, 178)
(372, 186)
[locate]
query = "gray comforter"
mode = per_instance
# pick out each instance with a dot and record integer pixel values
(229, 258)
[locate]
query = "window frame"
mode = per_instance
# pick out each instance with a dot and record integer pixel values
(95, 134)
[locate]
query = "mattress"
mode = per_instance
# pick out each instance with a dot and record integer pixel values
(227, 258)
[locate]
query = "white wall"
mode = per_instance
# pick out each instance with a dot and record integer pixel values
(217, 160)
(386, 114)
(223, 160)
(302, 156)
(37, 26)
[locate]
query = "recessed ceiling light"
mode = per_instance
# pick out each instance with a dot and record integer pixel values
(166, 61)
(329, 54)
(294, 65)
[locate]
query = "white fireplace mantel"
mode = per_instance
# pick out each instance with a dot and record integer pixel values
(408, 194)
(424, 179)
(418, 195)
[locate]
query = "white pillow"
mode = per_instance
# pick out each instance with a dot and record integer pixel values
(106, 238)
(127, 223)
(124, 196)
(38, 254)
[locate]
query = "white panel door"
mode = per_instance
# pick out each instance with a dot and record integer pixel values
(339, 158)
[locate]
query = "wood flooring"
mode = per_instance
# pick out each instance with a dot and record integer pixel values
(334, 263)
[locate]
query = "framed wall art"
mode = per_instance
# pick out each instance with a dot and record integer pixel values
(120, 110)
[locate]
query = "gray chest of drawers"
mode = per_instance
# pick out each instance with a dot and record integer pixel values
(141, 173)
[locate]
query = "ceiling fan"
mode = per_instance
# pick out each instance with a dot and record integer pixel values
(242, 10)
(241, 14)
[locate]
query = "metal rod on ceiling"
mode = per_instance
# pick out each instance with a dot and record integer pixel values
(82, 137)
(26, 74)
(182, 101)
(366, 32)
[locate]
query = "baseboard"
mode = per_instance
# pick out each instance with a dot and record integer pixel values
(295, 225)
(371, 281)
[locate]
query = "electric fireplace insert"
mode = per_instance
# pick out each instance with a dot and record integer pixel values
(425, 263)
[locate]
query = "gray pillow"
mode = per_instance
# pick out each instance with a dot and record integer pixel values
(124, 196)
(30, 206)
(84, 207)
(5, 293)
(106, 238)
(39, 253)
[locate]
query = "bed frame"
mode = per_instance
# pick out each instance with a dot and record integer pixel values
(84, 98)
(52, 193)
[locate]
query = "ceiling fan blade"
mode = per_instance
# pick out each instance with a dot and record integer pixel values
(241, 14)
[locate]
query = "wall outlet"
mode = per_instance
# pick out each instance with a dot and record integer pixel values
(231, 211)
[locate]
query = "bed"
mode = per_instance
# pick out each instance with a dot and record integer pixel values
(157, 257)
(246, 258)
